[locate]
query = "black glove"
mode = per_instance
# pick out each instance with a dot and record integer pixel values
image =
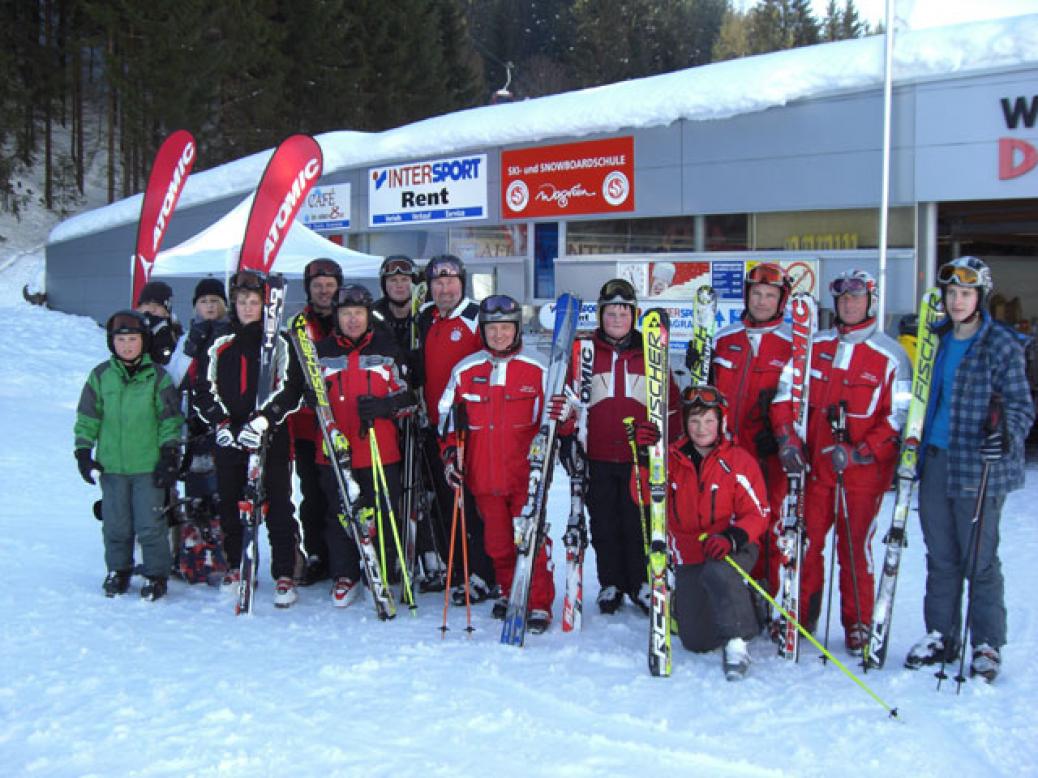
(691, 356)
(370, 407)
(165, 473)
(993, 447)
(199, 338)
(791, 452)
(765, 443)
(571, 455)
(86, 465)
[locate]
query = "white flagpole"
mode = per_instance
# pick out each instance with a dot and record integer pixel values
(888, 78)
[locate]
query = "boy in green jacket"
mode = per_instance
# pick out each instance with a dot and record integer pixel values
(130, 409)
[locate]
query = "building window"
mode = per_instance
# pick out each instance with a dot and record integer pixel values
(856, 228)
(505, 240)
(631, 236)
(727, 232)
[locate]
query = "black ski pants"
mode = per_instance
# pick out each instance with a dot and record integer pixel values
(314, 504)
(616, 527)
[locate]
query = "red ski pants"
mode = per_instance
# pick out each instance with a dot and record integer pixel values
(499, 541)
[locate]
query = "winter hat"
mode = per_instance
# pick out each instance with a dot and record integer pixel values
(157, 292)
(209, 286)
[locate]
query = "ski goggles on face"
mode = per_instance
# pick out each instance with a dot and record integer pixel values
(766, 273)
(324, 267)
(125, 324)
(958, 274)
(618, 291)
(398, 266)
(499, 303)
(703, 397)
(248, 279)
(852, 286)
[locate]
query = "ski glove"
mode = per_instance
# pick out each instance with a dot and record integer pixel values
(841, 455)
(561, 406)
(452, 468)
(992, 448)
(87, 465)
(251, 435)
(728, 542)
(765, 443)
(224, 436)
(646, 434)
(571, 455)
(370, 407)
(791, 451)
(167, 469)
(692, 356)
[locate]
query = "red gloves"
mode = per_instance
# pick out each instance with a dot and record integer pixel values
(646, 434)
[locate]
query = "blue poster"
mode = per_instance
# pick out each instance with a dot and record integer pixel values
(726, 278)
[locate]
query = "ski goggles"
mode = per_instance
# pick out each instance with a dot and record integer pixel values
(617, 291)
(500, 303)
(703, 397)
(323, 267)
(766, 273)
(248, 279)
(958, 274)
(444, 267)
(126, 324)
(397, 266)
(352, 294)
(852, 286)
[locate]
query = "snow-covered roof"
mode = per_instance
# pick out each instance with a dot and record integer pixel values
(715, 91)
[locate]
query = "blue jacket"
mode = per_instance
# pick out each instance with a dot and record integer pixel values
(993, 363)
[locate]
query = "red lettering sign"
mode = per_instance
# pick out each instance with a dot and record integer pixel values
(573, 178)
(1008, 167)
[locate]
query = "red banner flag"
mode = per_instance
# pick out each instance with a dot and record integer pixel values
(291, 173)
(169, 172)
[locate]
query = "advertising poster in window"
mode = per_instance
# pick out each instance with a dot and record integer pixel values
(592, 177)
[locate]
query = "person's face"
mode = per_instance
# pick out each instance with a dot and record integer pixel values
(703, 428)
(128, 346)
(398, 288)
(249, 305)
(210, 307)
(353, 321)
(446, 292)
(852, 308)
(763, 301)
(153, 308)
(961, 301)
(499, 334)
(322, 290)
(617, 320)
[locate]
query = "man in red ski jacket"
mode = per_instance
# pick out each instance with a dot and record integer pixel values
(322, 279)
(366, 393)
(501, 388)
(860, 380)
(748, 359)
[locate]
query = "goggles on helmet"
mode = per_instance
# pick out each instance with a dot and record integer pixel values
(499, 303)
(703, 397)
(125, 324)
(352, 294)
(397, 266)
(766, 273)
(248, 279)
(323, 267)
(443, 267)
(617, 292)
(852, 286)
(959, 274)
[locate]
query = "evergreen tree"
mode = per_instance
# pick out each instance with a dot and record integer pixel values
(733, 40)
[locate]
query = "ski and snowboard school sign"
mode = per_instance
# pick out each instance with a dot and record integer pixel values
(436, 190)
(591, 177)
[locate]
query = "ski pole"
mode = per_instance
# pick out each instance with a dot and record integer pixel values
(450, 565)
(378, 473)
(749, 579)
(464, 529)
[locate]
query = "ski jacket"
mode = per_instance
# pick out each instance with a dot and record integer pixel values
(747, 364)
(503, 399)
(869, 371)
(445, 341)
(401, 328)
(231, 375)
(726, 490)
(129, 414)
(352, 370)
(994, 363)
(616, 391)
(302, 425)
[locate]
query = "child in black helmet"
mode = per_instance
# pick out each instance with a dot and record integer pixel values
(129, 391)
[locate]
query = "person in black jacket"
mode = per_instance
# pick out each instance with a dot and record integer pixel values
(226, 400)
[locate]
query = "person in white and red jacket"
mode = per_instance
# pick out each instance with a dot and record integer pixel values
(863, 376)
(717, 507)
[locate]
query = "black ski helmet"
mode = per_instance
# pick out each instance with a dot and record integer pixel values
(501, 308)
(316, 268)
(617, 291)
(967, 271)
(396, 265)
(446, 265)
(157, 292)
(127, 322)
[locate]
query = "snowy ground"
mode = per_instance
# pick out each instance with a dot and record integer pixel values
(93, 686)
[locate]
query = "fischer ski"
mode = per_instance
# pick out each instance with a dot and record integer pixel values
(791, 539)
(361, 528)
(575, 538)
(701, 345)
(875, 653)
(531, 526)
(656, 337)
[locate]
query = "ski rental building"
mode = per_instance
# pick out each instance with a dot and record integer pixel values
(672, 181)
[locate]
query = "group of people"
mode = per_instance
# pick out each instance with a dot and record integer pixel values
(459, 373)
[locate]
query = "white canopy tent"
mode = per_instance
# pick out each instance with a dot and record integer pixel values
(215, 250)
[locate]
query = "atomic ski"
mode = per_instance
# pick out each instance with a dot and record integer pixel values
(575, 537)
(930, 312)
(530, 526)
(791, 541)
(704, 324)
(656, 336)
(361, 528)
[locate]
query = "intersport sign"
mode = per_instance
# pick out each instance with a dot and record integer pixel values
(591, 177)
(436, 190)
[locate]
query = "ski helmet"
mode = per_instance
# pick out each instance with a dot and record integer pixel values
(772, 275)
(967, 271)
(446, 265)
(316, 268)
(618, 291)
(352, 296)
(128, 322)
(855, 283)
(501, 308)
(696, 397)
(157, 292)
(396, 265)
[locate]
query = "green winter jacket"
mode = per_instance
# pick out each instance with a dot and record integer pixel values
(129, 417)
